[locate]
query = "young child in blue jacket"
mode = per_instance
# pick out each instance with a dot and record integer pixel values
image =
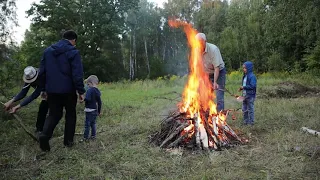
(248, 88)
(92, 107)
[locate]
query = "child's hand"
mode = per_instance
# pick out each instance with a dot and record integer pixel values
(241, 88)
(44, 96)
(81, 98)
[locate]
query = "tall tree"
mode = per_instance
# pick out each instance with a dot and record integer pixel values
(98, 24)
(9, 65)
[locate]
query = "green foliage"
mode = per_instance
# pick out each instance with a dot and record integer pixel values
(157, 68)
(132, 39)
(98, 24)
(312, 59)
(275, 62)
(274, 35)
(7, 19)
(11, 68)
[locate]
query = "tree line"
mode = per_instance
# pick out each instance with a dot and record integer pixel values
(131, 39)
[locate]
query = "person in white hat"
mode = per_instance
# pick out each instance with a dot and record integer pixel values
(215, 67)
(31, 79)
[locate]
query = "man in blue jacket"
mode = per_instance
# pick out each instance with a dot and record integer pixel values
(62, 67)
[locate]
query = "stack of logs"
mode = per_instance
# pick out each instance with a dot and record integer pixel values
(179, 130)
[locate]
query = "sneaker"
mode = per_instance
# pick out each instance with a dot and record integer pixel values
(37, 134)
(83, 140)
(44, 143)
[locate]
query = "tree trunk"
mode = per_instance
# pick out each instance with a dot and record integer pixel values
(123, 54)
(135, 51)
(164, 52)
(131, 60)
(147, 58)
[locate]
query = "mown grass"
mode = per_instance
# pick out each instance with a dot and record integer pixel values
(132, 111)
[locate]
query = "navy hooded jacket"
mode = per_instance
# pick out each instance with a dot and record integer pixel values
(93, 97)
(24, 91)
(62, 67)
(251, 84)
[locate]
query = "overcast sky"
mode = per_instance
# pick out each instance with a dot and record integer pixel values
(24, 23)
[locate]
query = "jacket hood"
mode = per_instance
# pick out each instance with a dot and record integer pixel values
(61, 47)
(249, 66)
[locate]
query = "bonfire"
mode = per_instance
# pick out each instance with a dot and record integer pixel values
(196, 123)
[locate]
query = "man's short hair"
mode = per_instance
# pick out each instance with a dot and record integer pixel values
(70, 35)
(201, 36)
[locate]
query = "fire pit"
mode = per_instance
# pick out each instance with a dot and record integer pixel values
(196, 123)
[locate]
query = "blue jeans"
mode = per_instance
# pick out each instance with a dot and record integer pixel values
(91, 122)
(248, 110)
(220, 92)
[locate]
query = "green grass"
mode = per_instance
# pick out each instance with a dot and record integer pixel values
(132, 111)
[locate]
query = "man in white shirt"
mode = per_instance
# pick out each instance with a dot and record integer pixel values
(215, 67)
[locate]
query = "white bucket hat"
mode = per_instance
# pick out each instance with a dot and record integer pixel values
(30, 74)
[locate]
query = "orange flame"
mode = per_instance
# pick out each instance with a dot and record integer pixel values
(198, 94)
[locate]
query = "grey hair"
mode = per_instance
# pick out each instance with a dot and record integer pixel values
(201, 36)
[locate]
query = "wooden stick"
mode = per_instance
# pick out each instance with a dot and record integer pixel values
(24, 127)
(171, 118)
(177, 141)
(305, 129)
(177, 131)
(176, 99)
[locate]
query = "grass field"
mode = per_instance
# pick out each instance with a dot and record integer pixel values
(133, 110)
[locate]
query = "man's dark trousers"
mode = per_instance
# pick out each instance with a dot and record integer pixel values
(56, 104)
(42, 114)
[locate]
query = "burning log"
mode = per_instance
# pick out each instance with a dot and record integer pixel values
(198, 132)
(177, 141)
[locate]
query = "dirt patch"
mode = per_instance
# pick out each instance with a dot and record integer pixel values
(289, 90)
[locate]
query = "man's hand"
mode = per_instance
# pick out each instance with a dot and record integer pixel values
(15, 109)
(240, 89)
(81, 98)
(215, 86)
(44, 96)
(8, 105)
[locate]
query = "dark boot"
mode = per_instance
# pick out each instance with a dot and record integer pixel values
(44, 142)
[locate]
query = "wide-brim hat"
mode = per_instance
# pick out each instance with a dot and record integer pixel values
(30, 74)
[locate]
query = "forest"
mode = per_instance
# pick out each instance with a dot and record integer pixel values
(131, 39)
